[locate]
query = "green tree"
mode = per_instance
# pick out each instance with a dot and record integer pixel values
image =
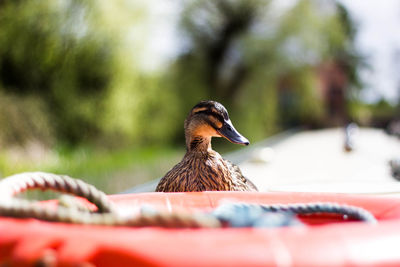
(249, 54)
(47, 49)
(81, 59)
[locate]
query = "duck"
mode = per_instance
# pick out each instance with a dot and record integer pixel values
(202, 168)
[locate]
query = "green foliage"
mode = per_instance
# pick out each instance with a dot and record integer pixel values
(77, 57)
(81, 60)
(47, 49)
(24, 120)
(263, 66)
(112, 171)
(72, 72)
(377, 114)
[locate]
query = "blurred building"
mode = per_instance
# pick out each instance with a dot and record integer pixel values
(332, 84)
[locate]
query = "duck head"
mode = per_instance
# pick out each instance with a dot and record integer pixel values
(210, 119)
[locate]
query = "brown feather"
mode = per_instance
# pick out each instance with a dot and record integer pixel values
(203, 169)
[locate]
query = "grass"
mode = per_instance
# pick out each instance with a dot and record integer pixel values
(110, 171)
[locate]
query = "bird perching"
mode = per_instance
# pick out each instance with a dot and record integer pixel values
(202, 168)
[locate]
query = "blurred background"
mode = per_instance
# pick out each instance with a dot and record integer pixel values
(99, 89)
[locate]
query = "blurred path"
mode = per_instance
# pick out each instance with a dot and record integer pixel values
(317, 161)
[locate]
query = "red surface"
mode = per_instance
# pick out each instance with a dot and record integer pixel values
(23, 242)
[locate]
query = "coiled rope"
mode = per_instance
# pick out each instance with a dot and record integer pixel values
(107, 214)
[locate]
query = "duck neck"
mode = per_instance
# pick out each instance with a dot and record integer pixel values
(198, 144)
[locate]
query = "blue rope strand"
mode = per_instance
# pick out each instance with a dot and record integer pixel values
(275, 215)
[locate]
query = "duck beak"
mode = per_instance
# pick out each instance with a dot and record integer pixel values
(229, 132)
